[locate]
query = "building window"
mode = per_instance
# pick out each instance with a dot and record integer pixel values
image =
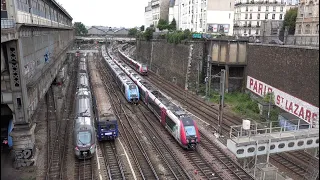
(307, 30)
(266, 17)
(274, 8)
(273, 16)
(299, 29)
(246, 8)
(246, 16)
(267, 8)
(258, 23)
(280, 17)
(317, 31)
(249, 31)
(229, 15)
(250, 16)
(257, 31)
(245, 31)
(281, 9)
(259, 8)
(258, 17)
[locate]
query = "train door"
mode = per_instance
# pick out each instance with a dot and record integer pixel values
(163, 116)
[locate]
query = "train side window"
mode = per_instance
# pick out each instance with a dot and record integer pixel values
(310, 141)
(170, 123)
(272, 146)
(240, 151)
(261, 148)
(250, 150)
(317, 141)
(291, 144)
(281, 145)
(300, 143)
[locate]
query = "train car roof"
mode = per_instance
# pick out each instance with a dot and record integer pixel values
(176, 110)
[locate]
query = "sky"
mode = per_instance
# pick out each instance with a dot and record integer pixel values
(112, 13)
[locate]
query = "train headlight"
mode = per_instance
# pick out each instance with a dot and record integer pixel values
(76, 148)
(92, 146)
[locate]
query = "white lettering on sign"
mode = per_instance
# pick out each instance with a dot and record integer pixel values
(285, 101)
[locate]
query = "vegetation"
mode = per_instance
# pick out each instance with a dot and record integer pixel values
(80, 29)
(162, 24)
(290, 20)
(148, 33)
(173, 25)
(177, 36)
(133, 32)
(142, 28)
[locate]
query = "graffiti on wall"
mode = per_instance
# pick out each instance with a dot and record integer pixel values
(23, 158)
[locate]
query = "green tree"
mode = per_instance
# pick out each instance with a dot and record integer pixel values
(173, 25)
(132, 32)
(290, 20)
(148, 33)
(162, 24)
(80, 29)
(142, 28)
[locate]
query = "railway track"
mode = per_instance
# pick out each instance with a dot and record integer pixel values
(203, 112)
(113, 163)
(209, 113)
(229, 169)
(85, 169)
(137, 151)
(167, 155)
(58, 134)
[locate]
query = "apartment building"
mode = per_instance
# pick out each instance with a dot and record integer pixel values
(148, 15)
(159, 10)
(210, 16)
(253, 16)
(307, 22)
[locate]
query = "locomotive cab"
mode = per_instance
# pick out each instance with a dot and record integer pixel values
(84, 149)
(144, 69)
(191, 131)
(107, 127)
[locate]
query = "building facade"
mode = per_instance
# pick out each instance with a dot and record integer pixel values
(156, 9)
(148, 15)
(210, 16)
(253, 16)
(307, 23)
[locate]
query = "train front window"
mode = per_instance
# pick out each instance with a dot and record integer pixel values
(84, 138)
(112, 126)
(144, 67)
(131, 87)
(190, 131)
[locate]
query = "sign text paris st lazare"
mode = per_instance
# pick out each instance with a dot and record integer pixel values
(285, 101)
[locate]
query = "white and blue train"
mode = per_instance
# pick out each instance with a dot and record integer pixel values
(127, 86)
(84, 129)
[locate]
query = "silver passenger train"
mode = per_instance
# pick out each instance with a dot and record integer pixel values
(84, 130)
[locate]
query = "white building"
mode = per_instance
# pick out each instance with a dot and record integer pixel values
(174, 11)
(251, 15)
(210, 16)
(148, 15)
(159, 10)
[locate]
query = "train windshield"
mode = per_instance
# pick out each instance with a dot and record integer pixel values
(131, 87)
(84, 137)
(190, 130)
(144, 67)
(189, 126)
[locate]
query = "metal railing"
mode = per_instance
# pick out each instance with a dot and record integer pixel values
(7, 23)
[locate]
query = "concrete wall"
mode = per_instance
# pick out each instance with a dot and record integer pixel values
(294, 70)
(172, 61)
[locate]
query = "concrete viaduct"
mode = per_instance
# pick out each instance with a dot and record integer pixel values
(35, 36)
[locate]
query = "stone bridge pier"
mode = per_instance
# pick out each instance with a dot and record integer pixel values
(35, 38)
